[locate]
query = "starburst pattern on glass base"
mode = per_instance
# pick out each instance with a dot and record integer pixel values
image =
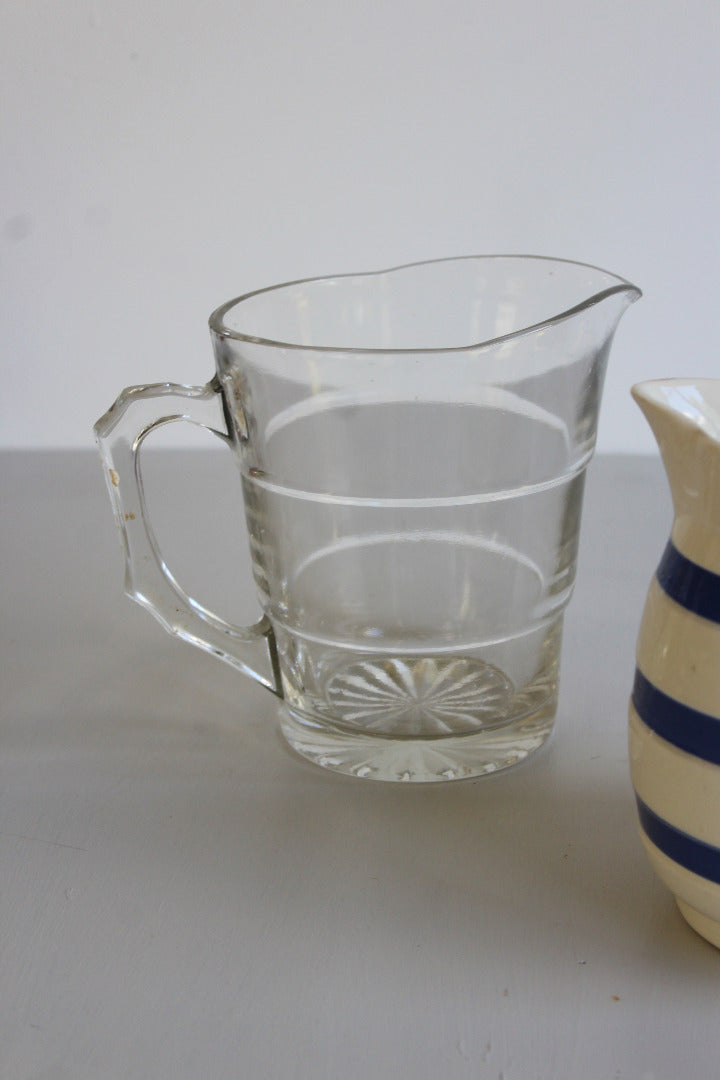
(377, 757)
(419, 696)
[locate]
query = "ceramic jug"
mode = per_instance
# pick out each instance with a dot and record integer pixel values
(675, 705)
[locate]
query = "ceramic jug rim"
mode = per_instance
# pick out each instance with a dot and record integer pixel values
(219, 327)
(675, 395)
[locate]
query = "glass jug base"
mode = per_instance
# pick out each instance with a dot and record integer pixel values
(410, 760)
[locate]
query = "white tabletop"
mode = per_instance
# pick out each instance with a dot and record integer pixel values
(181, 897)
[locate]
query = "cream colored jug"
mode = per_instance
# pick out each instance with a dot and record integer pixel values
(675, 706)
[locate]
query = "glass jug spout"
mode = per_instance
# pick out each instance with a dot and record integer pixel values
(589, 303)
(612, 306)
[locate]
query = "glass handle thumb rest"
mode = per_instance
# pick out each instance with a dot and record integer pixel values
(120, 435)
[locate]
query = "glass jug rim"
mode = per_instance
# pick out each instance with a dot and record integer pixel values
(218, 326)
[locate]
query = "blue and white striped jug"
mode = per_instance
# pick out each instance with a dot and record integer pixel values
(675, 705)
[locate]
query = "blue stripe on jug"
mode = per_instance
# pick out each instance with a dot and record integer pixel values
(696, 732)
(694, 855)
(690, 585)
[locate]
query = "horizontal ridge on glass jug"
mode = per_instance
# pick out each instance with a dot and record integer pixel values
(412, 447)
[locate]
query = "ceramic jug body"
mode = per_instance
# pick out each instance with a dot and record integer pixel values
(674, 717)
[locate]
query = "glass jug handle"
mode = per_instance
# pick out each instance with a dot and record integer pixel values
(120, 434)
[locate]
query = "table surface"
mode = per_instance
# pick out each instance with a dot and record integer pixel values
(181, 897)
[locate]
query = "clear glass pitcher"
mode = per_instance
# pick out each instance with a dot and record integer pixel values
(411, 447)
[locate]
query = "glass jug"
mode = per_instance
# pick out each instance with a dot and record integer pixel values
(411, 447)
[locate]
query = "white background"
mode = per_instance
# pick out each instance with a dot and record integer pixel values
(160, 157)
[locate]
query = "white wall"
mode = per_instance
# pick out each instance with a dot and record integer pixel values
(160, 157)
